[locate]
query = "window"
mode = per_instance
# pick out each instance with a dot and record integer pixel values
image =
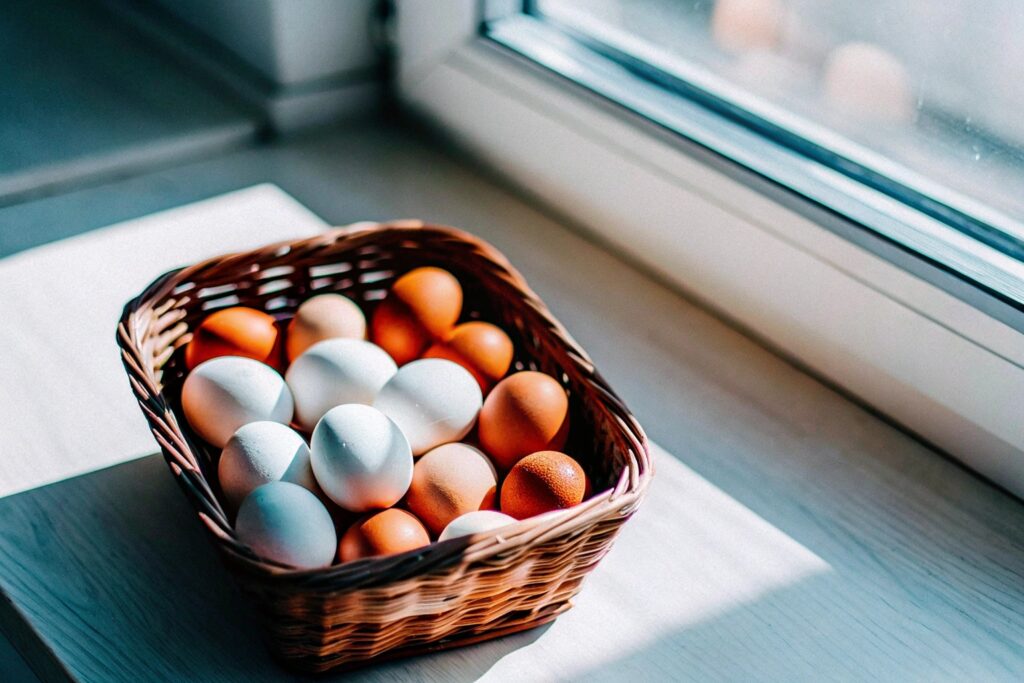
(907, 89)
(898, 102)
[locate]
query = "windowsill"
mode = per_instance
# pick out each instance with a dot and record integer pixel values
(947, 369)
(787, 529)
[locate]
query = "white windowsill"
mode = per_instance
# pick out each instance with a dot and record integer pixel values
(942, 368)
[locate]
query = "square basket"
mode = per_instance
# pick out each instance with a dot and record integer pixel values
(444, 595)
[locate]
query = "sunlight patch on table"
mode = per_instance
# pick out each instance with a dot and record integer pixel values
(691, 554)
(65, 398)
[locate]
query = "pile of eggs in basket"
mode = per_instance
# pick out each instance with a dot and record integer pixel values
(376, 439)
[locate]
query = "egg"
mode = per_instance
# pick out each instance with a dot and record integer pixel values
(360, 458)
(286, 523)
(384, 533)
(421, 307)
(482, 348)
(542, 482)
(433, 401)
(222, 394)
(336, 371)
(738, 25)
(237, 331)
(449, 481)
(524, 413)
(325, 316)
(262, 452)
(867, 81)
(475, 523)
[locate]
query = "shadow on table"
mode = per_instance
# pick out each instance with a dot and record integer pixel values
(460, 665)
(114, 573)
(891, 590)
(803, 633)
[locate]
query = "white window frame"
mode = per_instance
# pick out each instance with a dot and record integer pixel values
(939, 366)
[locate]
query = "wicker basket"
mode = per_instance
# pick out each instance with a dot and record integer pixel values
(447, 594)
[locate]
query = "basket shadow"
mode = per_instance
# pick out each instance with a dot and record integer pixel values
(459, 665)
(109, 575)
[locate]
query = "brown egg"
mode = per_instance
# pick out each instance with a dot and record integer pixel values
(237, 331)
(526, 412)
(421, 308)
(398, 333)
(542, 482)
(387, 532)
(325, 316)
(482, 348)
(449, 481)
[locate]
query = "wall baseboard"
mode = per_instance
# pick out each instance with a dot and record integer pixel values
(285, 107)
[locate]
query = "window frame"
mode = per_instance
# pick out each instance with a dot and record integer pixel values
(909, 339)
(772, 123)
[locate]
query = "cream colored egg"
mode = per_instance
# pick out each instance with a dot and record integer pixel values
(433, 401)
(222, 394)
(739, 25)
(867, 81)
(475, 522)
(449, 481)
(286, 523)
(360, 458)
(325, 316)
(334, 372)
(262, 452)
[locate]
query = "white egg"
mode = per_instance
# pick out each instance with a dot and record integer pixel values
(433, 401)
(360, 458)
(262, 452)
(222, 394)
(474, 523)
(337, 371)
(286, 523)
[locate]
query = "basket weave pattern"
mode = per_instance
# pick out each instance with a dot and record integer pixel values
(447, 594)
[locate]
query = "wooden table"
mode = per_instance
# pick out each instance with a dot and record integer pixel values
(788, 535)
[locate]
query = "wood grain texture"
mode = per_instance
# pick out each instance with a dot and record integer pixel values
(789, 534)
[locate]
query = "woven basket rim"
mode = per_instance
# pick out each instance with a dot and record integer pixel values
(138, 312)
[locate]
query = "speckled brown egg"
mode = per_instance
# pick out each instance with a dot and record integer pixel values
(526, 412)
(450, 481)
(482, 348)
(388, 532)
(236, 331)
(421, 308)
(542, 482)
(325, 316)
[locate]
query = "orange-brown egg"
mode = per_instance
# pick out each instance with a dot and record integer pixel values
(236, 331)
(543, 482)
(398, 333)
(482, 348)
(450, 481)
(526, 412)
(387, 532)
(421, 308)
(325, 316)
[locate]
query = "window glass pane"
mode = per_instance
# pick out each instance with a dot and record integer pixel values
(927, 93)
